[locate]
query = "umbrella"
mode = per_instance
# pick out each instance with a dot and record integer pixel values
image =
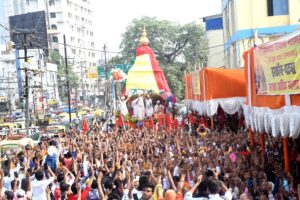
(86, 109)
(98, 112)
(82, 112)
(66, 117)
(169, 97)
(165, 95)
(64, 114)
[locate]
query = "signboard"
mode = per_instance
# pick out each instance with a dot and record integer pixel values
(277, 66)
(101, 71)
(124, 67)
(93, 72)
(4, 106)
(35, 23)
(196, 83)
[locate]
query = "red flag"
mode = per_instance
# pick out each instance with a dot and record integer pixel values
(168, 120)
(117, 123)
(151, 123)
(160, 120)
(182, 122)
(176, 123)
(193, 120)
(121, 122)
(85, 126)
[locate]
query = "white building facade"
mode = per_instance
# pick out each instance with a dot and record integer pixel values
(214, 35)
(73, 18)
(42, 80)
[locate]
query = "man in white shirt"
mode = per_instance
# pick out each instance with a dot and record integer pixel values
(7, 179)
(215, 186)
(39, 185)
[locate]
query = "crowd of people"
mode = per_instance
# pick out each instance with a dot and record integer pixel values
(149, 164)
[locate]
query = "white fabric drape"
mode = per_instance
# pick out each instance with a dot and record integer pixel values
(284, 121)
(209, 108)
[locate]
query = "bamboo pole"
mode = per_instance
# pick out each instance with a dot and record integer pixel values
(286, 155)
(251, 137)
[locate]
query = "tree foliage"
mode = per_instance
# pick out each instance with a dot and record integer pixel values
(176, 47)
(57, 59)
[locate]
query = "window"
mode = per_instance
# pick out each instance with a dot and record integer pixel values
(51, 2)
(278, 7)
(54, 39)
(52, 15)
(53, 27)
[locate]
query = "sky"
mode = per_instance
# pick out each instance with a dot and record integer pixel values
(113, 16)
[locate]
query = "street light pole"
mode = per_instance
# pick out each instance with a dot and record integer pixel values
(67, 76)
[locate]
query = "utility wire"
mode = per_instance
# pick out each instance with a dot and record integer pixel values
(102, 51)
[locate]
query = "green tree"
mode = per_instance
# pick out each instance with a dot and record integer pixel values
(57, 59)
(176, 47)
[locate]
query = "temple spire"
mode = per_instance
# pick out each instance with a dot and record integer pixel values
(144, 40)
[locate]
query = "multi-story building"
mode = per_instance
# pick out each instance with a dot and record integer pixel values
(72, 18)
(42, 80)
(214, 35)
(251, 22)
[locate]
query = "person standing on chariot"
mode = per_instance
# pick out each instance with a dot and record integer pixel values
(149, 106)
(123, 106)
(138, 107)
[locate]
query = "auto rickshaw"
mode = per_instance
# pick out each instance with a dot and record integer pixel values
(9, 126)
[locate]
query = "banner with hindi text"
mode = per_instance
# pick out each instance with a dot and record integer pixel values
(277, 66)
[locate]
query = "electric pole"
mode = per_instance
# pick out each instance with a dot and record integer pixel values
(67, 76)
(26, 85)
(106, 78)
(81, 74)
(9, 95)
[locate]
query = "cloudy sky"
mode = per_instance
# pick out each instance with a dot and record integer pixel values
(112, 16)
